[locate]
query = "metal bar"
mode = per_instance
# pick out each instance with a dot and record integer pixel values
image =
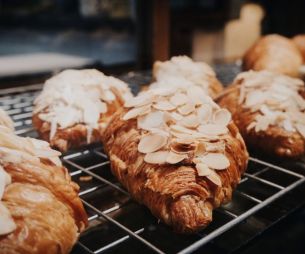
(240, 218)
(248, 196)
(276, 167)
(265, 181)
(131, 233)
(117, 242)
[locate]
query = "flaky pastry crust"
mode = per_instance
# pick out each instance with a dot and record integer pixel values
(299, 40)
(174, 193)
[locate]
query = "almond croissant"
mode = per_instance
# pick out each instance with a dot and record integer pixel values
(40, 211)
(75, 106)
(178, 153)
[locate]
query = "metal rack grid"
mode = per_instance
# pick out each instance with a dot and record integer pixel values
(120, 225)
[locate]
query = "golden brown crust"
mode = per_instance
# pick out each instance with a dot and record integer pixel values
(299, 40)
(275, 53)
(174, 193)
(274, 141)
(45, 206)
(74, 136)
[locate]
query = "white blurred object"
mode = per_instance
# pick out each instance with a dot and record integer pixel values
(39, 62)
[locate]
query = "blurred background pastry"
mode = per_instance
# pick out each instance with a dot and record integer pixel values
(274, 53)
(75, 107)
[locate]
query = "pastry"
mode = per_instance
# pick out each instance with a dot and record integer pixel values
(274, 53)
(183, 70)
(269, 110)
(178, 153)
(75, 107)
(5, 120)
(299, 40)
(40, 211)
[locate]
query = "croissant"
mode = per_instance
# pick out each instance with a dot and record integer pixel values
(269, 110)
(183, 70)
(299, 41)
(274, 53)
(178, 153)
(75, 107)
(40, 211)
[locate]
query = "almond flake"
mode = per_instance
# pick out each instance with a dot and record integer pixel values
(203, 169)
(151, 120)
(200, 150)
(174, 158)
(176, 116)
(182, 129)
(163, 91)
(222, 117)
(179, 99)
(215, 178)
(156, 157)
(190, 121)
(255, 97)
(182, 148)
(152, 143)
(196, 95)
(301, 129)
(216, 161)
(133, 113)
(164, 105)
(186, 109)
(212, 129)
(140, 100)
(204, 113)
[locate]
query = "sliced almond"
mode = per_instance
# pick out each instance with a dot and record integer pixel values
(200, 150)
(215, 178)
(182, 129)
(133, 113)
(174, 158)
(186, 109)
(182, 148)
(152, 143)
(196, 94)
(255, 97)
(222, 117)
(6, 221)
(212, 129)
(176, 116)
(151, 120)
(204, 113)
(156, 157)
(190, 121)
(164, 91)
(301, 129)
(179, 99)
(203, 169)
(216, 161)
(164, 105)
(140, 100)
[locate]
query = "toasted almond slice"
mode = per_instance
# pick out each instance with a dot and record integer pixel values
(6, 221)
(287, 125)
(186, 109)
(173, 158)
(222, 117)
(215, 178)
(200, 150)
(156, 157)
(179, 99)
(204, 113)
(137, 112)
(152, 143)
(185, 141)
(301, 129)
(212, 129)
(151, 120)
(164, 105)
(163, 132)
(164, 91)
(140, 100)
(203, 169)
(190, 121)
(255, 97)
(215, 146)
(216, 161)
(196, 94)
(251, 126)
(176, 116)
(182, 148)
(181, 129)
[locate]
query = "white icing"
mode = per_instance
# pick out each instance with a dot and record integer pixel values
(78, 96)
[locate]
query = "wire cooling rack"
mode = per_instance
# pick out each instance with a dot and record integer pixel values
(269, 191)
